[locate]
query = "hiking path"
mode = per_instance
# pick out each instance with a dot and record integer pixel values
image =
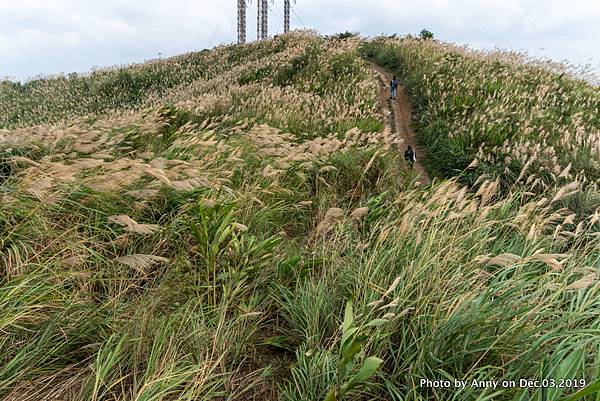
(397, 117)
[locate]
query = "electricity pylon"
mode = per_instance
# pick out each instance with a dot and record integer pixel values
(241, 22)
(259, 19)
(262, 19)
(265, 20)
(286, 15)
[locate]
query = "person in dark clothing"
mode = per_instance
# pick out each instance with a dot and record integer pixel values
(393, 88)
(410, 156)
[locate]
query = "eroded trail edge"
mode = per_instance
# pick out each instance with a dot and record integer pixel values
(397, 117)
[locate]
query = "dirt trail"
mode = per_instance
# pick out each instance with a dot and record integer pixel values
(397, 117)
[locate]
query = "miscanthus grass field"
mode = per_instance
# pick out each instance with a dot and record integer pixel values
(237, 224)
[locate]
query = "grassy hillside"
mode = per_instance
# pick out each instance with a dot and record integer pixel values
(245, 229)
(225, 81)
(517, 119)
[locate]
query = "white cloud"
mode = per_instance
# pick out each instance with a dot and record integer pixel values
(50, 36)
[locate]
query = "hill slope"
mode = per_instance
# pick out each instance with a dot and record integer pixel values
(198, 228)
(493, 107)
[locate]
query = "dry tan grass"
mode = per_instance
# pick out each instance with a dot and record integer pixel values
(141, 262)
(584, 282)
(331, 217)
(132, 226)
(359, 213)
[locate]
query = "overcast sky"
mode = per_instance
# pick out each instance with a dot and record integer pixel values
(54, 36)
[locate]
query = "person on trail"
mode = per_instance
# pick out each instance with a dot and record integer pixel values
(393, 88)
(410, 156)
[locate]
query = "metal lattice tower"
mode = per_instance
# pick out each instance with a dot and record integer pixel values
(259, 19)
(241, 22)
(286, 15)
(264, 19)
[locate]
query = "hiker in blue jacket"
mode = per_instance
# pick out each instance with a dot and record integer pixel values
(393, 88)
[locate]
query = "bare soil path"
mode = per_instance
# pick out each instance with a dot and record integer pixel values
(397, 117)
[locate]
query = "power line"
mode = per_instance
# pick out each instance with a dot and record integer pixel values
(250, 11)
(277, 13)
(297, 16)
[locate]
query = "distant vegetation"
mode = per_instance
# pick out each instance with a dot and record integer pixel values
(236, 224)
(426, 34)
